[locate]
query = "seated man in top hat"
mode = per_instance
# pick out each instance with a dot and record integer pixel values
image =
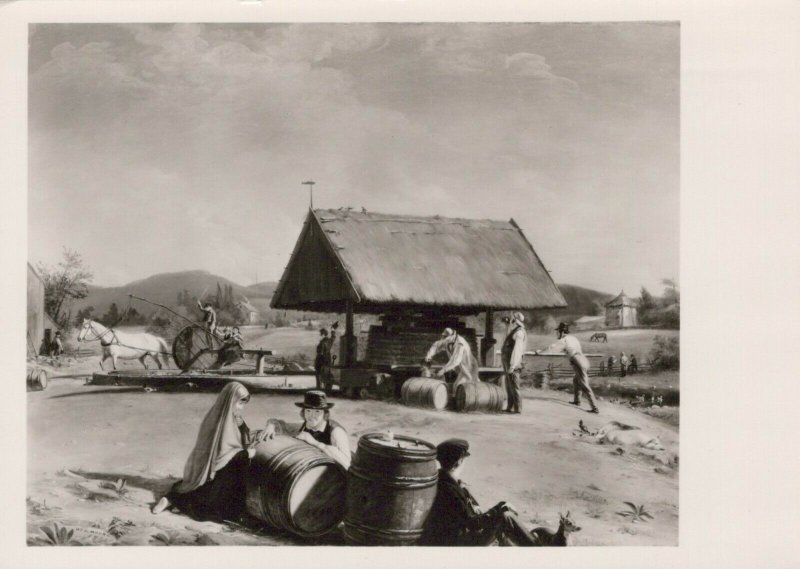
(317, 428)
(456, 518)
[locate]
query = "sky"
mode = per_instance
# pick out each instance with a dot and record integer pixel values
(158, 147)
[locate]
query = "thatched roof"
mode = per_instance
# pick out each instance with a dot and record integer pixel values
(622, 299)
(379, 260)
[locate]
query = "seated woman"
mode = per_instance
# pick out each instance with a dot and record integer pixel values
(214, 476)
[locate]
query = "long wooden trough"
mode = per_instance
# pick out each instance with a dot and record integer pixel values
(176, 380)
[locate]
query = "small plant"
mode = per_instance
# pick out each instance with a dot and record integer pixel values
(56, 535)
(118, 528)
(635, 513)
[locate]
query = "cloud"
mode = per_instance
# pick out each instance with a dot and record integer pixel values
(533, 66)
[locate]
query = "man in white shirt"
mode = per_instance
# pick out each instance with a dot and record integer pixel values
(569, 345)
(461, 361)
(513, 349)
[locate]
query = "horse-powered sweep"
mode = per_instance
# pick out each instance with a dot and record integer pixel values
(202, 359)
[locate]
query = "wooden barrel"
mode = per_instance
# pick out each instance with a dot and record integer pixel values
(480, 396)
(294, 486)
(37, 379)
(391, 486)
(425, 392)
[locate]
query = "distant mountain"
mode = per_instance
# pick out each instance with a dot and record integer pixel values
(164, 288)
(581, 301)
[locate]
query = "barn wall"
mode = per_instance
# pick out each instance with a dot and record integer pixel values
(613, 316)
(314, 273)
(35, 329)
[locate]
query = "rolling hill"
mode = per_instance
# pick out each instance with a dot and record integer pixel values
(164, 288)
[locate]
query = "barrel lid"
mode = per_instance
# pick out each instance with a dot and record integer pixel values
(408, 446)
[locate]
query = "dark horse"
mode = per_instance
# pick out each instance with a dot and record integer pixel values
(599, 337)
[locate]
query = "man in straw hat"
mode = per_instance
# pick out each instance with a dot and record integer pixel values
(456, 518)
(569, 345)
(317, 428)
(513, 349)
(461, 361)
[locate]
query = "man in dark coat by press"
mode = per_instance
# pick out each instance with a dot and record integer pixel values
(324, 358)
(456, 518)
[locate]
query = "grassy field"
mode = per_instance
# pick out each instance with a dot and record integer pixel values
(637, 341)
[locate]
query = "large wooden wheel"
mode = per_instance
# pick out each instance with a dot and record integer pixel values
(195, 348)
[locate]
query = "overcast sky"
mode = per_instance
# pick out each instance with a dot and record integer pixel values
(157, 148)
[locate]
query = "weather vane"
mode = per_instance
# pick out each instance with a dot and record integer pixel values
(310, 184)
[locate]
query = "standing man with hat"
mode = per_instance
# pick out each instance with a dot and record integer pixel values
(513, 349)
(569, 345)
(209, 318)
(461, 361)
(317, 428)
(324, 359)
(456, 518)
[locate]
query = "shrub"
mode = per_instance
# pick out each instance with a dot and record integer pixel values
(665, 353)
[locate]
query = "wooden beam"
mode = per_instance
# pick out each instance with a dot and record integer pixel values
(348, 342)
(487, 345)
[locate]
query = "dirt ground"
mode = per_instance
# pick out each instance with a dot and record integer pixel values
(82, 439)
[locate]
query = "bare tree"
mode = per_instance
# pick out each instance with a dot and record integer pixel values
(63, 284)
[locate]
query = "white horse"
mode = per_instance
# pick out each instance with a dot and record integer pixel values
(125, 345)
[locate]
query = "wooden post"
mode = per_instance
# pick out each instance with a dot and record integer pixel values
(348, 340)
(487, 346)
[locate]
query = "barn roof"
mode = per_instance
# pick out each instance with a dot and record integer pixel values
(378, 260)
(621, 299)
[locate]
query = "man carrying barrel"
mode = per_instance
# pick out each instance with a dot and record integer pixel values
(324, 359)
(569, 345)
(456, 518)
(513, 349)
(317, 428)
(461, 363)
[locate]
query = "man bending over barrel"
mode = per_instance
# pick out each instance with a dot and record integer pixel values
(317, 428)
(456, 519)
(462, 363)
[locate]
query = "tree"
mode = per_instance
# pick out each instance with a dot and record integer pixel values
(111, 317)
(671, 292)
(646, 301)
(83, 314)
(64, 284)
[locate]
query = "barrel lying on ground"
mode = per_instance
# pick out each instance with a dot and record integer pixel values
(480, 396)
(391, 486)
(295, 487)
(425, 392)
(37, 379)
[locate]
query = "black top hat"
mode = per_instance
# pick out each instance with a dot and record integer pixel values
(563, 327)
(315, 400)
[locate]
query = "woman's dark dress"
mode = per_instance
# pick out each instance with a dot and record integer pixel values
(220, 498)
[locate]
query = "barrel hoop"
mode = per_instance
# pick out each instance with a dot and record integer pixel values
(403, 482)
(387, 533)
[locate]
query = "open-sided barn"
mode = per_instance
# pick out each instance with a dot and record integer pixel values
(419, 273)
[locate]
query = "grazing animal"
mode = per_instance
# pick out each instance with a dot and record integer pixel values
(599, 337)
(125, 345)
(548, 538)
